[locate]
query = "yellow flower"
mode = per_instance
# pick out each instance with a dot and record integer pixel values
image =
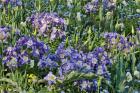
(31, 78)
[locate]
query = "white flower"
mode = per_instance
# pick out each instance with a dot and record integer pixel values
(85, 84)
(78, 16)
(29, 43)
(9, 49)
(129, 76)
(50, 78)
(137, 74)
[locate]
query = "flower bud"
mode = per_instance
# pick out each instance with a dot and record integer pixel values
(2, 36)
(129, 76)
(137, 74)
(78, 16)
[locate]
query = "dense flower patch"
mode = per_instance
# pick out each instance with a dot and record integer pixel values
(69, 46)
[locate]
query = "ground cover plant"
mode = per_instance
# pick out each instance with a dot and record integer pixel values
(69, 46)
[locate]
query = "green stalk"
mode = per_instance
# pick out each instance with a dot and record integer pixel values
(99, 83)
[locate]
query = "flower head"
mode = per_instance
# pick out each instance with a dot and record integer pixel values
(50, 78)
(48, 24)
(12, 2)
(117, 41)
(25, 50)
(4, 33)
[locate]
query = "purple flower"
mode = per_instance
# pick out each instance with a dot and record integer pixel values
(105, 4)
(74, 60)
(4, 33)
(48, 24)
(108, 5)
(90, 86)
(95, 84)
(66, 68)
(51, 78)
(25, 50)
(92, 7)
(138, 29)
(117, 41)
(49, 61)
(85, 85)
(13, 3)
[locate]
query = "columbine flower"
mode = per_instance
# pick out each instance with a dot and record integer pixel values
(12, 2)
(25, 50)
(118, 42)
(137, 74)
(50, 78)
(12, 62)
(29, 43)
(85, 85)
(62, 91)
(48, 24)
(89, 86)
(108, 4)
(129, 77)
(92, 7)
(4, 33)
(49, 61)
(101, 70)
(95, 84)
(74, 60)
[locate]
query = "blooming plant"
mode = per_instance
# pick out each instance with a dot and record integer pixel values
(69, 46)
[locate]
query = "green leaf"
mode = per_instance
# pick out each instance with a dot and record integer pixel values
(132, 30)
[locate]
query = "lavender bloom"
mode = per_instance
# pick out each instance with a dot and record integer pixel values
(116, 41)
(35, 47)
(11, 57)
(25, 50)
(108, 5)
(92, 7)
(85, 85)
(97, 61)
(138, 29)
(74, 60)
(105, 4)
(49, 61)
(66, 68)
(4, 33)
(12, 2)
(50, 78)
(69, 59)
(48, 24)
(89, 86)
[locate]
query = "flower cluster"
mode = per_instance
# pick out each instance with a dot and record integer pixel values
(71, 59)
(25, 50)
(48, 24)
(98, 60)
(4, 33)
(117, 41)
(88, 85)
(12, 2)
(50, 61)
(50, 78)
(74, 60)
(108, 5)
(93, 6)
